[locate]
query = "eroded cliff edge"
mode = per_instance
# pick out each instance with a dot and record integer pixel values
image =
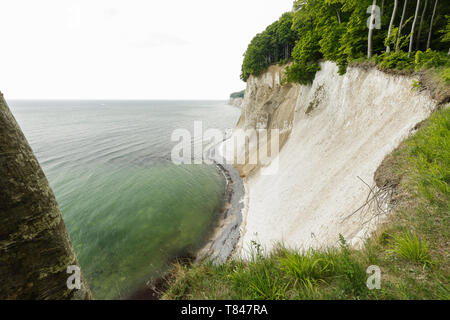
(335, 134)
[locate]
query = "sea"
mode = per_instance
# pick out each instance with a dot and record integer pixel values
(129, 210)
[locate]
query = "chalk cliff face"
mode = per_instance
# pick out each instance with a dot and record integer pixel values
(336, 132)
(237, 102)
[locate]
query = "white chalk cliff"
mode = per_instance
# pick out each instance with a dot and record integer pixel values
(336, 130)
(237, 102)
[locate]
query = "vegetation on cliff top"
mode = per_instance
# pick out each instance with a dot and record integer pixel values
(337, 30)
(411, 248)
(239, 94)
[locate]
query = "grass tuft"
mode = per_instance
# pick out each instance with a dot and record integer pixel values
(409, 247)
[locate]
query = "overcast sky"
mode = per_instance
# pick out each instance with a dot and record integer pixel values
(128, 49)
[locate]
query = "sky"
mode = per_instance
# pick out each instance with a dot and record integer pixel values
(128, 49)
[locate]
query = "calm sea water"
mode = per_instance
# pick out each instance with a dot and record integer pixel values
(128, 209)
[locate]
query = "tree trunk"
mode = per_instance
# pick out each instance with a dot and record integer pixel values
(421, 24)
(338, 13)
(391, 24)
(431, 25)
(371, 27)
(400, 27)
(35, 250)
(411, 39)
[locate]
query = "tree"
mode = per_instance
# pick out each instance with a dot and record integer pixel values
(371, 27)
(400, 27)
(421, 24)
(411, 39)
(336, 30)
(353, 42)
(394, 12)
(270, 46)
(285, 35)
(35, 249)
(337, 6)
(257, 56)
(431, 24)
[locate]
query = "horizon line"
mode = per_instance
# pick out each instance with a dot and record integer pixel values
(111, 99)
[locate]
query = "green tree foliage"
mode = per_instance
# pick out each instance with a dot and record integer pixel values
(337, 30)
(353, 42)
(239, 94)
(446, 31)
(273, 45)
(430, 59)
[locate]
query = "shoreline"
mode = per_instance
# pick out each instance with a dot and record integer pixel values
(222, 243)
(227, 233)
(224, 238)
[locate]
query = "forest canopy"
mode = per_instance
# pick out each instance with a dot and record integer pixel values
(338, 30)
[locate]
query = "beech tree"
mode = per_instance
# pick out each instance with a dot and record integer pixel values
(391, 24)
(421, 24)
(336, 30)
(411, 39)
(270, 46)
(337, 6)
(400, 27)
(285, 36)
(35, 249)
(431, 24)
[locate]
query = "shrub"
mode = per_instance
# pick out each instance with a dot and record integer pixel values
(301, 73)
(438, 61)
(351, 276)
(430, 59)
(342, 66)
(396, 60)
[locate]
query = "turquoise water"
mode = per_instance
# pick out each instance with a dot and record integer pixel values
(127, 208)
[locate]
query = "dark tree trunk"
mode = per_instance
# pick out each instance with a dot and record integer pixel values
(431, 25)
(394, 12)
(35, 249)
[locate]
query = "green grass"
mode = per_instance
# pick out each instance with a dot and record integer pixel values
(409, 247)
(412, 248)
(444, 74)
